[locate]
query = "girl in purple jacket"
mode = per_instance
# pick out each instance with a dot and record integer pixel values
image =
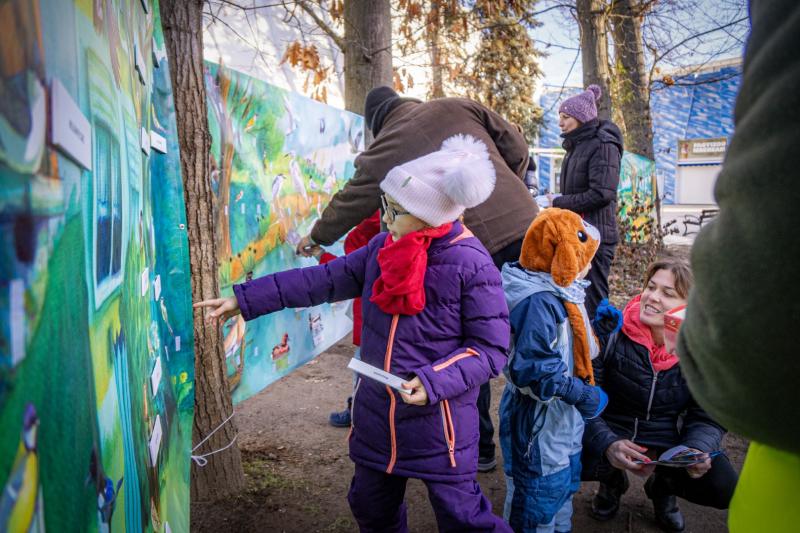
(435, 315)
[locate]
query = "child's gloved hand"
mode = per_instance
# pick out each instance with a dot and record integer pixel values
(593, 402)
(607, 318)
(589, 400)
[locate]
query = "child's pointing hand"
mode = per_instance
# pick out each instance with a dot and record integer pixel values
(418, 396)
(222, 308)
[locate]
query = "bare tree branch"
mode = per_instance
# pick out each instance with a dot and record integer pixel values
(324, 26)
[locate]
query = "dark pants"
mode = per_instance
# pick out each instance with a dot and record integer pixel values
(598, 275)
(376, 500)
(714, 489)
(486, 448)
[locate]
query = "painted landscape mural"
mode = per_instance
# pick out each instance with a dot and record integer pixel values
(96, 363)
(278, 157)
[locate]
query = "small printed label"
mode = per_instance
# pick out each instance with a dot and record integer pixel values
(145, 142)
(242, 208)
(157, 287)
(145, 281)
(157, 142)
(155, 376)
(17, 320)
(155, 441)
(178, 343)
(71, 131)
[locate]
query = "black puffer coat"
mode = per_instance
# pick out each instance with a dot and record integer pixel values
(590, 175)
(655, 410)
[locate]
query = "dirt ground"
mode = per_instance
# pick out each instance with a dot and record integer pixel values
(298, 471)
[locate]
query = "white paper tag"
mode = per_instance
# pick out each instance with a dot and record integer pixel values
(16, 320)
(157, 142)
(145, 142)
(71, 131)
(242, 208)
(145, 280)
(157, 287)
(177, 343)
(155, 441)
(377, 374)
(155, 376)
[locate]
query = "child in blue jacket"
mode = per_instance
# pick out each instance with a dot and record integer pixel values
(550, 387)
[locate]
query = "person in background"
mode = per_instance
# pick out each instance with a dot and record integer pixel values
(358, 237)
(589, 180)
(404, 129)
(549, 389)
(434, 315)
(651, 409)
(738, 344)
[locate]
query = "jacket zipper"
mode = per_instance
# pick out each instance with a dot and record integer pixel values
(469, 353)
(387, 363)
(353, 410)
(649, 400)
(449, 431)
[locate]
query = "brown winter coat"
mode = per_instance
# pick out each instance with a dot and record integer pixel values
(413, 129)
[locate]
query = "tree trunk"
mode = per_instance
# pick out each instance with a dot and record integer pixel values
(634, 87)
(183, 34)
(433, 31)
(368, 50)
(594, 51)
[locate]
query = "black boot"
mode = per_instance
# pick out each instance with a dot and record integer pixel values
(605, 503)
(665, 506)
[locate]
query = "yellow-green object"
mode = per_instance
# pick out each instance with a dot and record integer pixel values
(766, 497)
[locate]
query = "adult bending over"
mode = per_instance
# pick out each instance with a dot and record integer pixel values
(650, 408)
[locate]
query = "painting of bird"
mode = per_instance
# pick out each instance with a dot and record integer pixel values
(21, 501)
(277, 183)
(106, 491)
(297, 178)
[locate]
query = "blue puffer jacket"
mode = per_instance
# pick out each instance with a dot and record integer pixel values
(539, 432)
(454, 345)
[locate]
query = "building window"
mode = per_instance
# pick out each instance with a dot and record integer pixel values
(108, 206)
(555, 174)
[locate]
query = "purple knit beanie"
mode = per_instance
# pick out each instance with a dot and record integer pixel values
(582, 106)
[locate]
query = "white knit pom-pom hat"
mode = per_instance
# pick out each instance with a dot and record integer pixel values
(439, 186)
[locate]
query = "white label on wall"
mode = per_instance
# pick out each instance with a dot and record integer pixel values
(157, 142)
(243, 209)
(178, 343)
(155, 377)
(145, 281)
(72, 133)
(16, 320)
(157, 287)
(155, 441)
(145, 142)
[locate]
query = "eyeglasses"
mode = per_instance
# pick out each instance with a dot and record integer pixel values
(391, 211)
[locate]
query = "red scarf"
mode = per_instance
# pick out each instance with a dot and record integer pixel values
(400, 287)
(639, 333)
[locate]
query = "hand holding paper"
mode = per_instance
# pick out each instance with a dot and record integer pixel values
(418, 396)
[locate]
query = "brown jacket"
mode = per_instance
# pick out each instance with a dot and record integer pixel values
(414, 129)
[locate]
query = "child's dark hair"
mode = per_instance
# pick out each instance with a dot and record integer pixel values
(680, 268)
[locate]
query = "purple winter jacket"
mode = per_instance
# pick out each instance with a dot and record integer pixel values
(454, 345)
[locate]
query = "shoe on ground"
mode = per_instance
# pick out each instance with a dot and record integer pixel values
(665, 507)
(342, 419)
(605, 503)
(486, 464)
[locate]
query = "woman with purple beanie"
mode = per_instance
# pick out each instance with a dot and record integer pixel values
(589, 179)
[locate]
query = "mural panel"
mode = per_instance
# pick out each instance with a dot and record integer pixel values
(278, 157)
(96, 364)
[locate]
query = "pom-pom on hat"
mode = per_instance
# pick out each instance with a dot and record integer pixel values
(560, 242)
(439, 186)
(582, 106)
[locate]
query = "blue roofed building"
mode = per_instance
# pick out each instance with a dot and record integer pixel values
(692, 123)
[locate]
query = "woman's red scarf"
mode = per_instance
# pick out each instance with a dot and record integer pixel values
(639, 333)
(400, 287)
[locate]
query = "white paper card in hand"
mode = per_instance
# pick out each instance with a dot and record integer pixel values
(356, 365)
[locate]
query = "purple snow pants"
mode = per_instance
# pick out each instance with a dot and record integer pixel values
(376, 500)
